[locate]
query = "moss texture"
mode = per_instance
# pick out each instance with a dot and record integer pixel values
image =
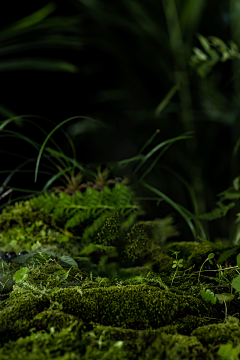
(143, 315)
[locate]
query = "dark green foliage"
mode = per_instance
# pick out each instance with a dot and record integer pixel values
(208, 296)
(218, 212)
(227, 254)
(91, 207)
(109, 231)
(136, 241)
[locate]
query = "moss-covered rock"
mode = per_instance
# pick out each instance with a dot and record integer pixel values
(108, 306)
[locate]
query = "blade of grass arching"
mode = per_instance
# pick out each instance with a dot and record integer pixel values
(169, 95)
(49, 42)
(154, 162)
(159, 146)
(51, 23)
(29, 20)
(74, 162)
(148, 142)
(50, 134)
(127, 161)
(236, 147)
(73, 149)
(196, 221)
(14, 118)
(33, 143)
(38, 64)
(166, 99)
(174, 205)
(66, 23)
(187, 185)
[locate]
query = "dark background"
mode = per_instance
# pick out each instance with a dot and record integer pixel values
(131, 56)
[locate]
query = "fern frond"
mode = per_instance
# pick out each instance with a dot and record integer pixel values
(227, 253)
(213, 245)
(92, 207)
(218, 212)
(96, 225)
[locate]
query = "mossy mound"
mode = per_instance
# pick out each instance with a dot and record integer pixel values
(121, 300)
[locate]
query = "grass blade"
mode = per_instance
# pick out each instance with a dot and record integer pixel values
(50, 42)
(50, 134)
(159, 146)
(149, 140)
(174, 205)
(154, 162)
(37, 64)
(30, 20)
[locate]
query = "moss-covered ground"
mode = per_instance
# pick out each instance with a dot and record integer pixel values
(119, 302)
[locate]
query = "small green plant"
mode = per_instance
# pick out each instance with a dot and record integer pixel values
(177, 264)
(20, 275)
(210, 256)
(208, 296)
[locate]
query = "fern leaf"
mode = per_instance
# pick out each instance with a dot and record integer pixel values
(96, 225)
(226, 254)
(218, 212)
(215, 246)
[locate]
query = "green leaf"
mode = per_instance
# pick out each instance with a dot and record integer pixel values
(22, 258)
(208, 296)
(238, 260)
(205, 44)
(236, 183)
(232, 320)
(62, 239)
(68, 261)
(227, 352)
(236, 283)
(224, 297)
(37, 259)
(20, 275)
(201, 56)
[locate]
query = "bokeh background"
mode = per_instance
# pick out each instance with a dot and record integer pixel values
(115, 62)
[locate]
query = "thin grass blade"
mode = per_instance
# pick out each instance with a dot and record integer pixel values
(37, 64)
(174, 205)
(30, 20)
(50, 134)
(159, 146)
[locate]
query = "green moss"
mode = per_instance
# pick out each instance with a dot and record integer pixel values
(218, 334)
(91, 317)
(194, 252)
(136, 306)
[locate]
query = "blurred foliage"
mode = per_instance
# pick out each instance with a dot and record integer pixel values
(171, 65)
